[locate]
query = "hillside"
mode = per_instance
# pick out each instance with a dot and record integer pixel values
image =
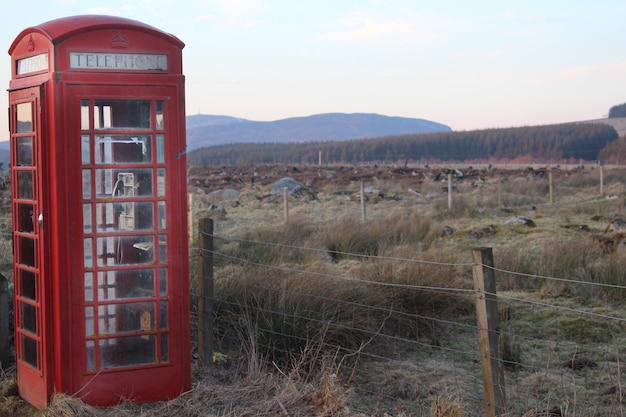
(207, 130)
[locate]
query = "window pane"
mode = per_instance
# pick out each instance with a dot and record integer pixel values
(88, 286)
(25, 185)
(25, 117)
(26, 251)
(126, 318)
(160, 139)
(117, 285)
(90, 329)
(128, 183)
(122, 114)
(25, 218)
(127, 351)
(29, 317)
(161, 182)
(162, 281)
(162, 221)
(85, 152)
(125, 250)
(87, 253)
(30, 352)
(86, 183)
(87, 227)
(25, 151)
(160, 121)
(84, 115)
(29, 284)
(123, 149)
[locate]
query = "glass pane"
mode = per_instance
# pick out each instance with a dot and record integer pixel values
(84, 115)
(125, 250)
(161, 182)
(87, 218)
(122, 114)
(163, 317)
(162, 248)
(125, 318)
(162, 221)
(26, 251)
(86, 183)
(25, 185)
(91, 355)
(123, 149)
(30, 354)
(126, 216)
(128, 183)
(25, 117)
(160, 143)
(29, 284)
(164, 351)
(29, 318)
(25, 218)
(160, 121)
(85, 151)
(88, 286)
(90, 329)
(115, 285)
(127, 351)
(25, 151)
(87, 253)
(162, 281)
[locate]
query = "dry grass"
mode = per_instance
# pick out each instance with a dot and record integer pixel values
(302, 342)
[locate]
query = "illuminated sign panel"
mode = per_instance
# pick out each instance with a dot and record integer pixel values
(125, 62)
(32, 64)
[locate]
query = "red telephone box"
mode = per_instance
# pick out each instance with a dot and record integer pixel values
(98, 176)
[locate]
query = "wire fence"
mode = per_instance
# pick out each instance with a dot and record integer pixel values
(408, 341)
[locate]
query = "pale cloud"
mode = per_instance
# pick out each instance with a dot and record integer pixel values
(577, 72)
(363, 26)
(239, 13)
(619, 68)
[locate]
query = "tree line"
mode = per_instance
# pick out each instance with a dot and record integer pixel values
(617, 111)
(572, 141)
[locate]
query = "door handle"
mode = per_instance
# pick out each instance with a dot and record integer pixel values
(40, 220)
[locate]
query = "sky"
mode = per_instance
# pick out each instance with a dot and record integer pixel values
(469, 64)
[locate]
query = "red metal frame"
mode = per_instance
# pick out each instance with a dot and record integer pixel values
(64, 89)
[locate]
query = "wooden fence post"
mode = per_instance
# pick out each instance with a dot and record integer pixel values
(551, 188)
(449, 191)
(205, 299)
(4, 322)
(362, 201)
(286, 204)
(601, 180)
(489, 332)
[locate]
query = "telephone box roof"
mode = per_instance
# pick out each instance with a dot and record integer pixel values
(60, 29)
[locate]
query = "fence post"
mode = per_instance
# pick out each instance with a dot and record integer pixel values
(362, 201)
(488, 332)
(205, 299)
(551, 188)
(286, 204)
(449, 191)
(4, 322)
(601, 180)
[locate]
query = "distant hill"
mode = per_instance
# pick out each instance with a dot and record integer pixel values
(208, 130)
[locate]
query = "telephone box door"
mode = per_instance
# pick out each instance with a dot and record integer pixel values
(130, 292)
(28, 242)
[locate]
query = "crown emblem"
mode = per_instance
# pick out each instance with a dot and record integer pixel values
(31, 44)
(119, 41)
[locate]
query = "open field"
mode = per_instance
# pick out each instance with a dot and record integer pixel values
(402, 337)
